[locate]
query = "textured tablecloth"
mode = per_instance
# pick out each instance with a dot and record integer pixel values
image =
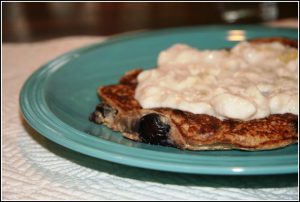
(34, 168)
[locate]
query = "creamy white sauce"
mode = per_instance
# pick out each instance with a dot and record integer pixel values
(249, 81)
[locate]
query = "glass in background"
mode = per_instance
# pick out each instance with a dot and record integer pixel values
(244, 12)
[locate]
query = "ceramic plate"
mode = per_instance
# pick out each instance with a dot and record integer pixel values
(58, 98)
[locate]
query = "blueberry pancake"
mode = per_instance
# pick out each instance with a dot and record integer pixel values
(209, 100)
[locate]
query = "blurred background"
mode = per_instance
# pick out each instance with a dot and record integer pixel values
(27, 22)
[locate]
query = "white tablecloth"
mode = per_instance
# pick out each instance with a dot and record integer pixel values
(34, 168)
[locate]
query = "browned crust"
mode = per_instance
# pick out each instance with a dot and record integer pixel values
(200, 131)
(285, 41)
(130, 77)
(120, 96)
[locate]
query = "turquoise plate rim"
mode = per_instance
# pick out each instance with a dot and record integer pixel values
(35, 111)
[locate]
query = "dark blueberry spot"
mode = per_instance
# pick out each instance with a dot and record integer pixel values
(96, 117)
(92, 117)
(106, 110)
(153, 130)
(101, 112)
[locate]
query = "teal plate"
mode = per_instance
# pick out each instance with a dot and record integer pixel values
(58, 98)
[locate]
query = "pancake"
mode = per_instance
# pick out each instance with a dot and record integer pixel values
(120, 111)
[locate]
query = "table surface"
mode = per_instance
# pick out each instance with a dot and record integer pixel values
(34, 168)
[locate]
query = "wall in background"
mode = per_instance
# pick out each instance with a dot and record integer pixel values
(23, 22)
